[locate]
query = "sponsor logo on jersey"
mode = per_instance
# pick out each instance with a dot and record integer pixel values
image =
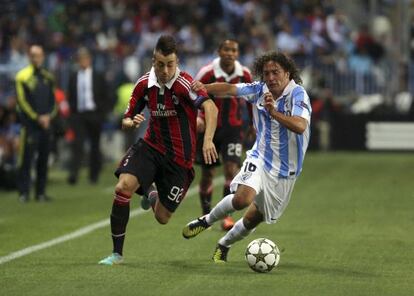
(304, 105)
(163, 112)
(246, 176)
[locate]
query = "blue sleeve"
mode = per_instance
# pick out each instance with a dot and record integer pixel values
(251, 92)
(301, 103)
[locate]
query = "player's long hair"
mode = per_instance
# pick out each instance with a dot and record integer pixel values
(282, 59)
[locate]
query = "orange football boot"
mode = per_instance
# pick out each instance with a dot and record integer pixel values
(227, 223)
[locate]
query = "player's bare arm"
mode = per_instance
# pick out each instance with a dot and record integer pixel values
(209, 150)
(216, 88)
(296, 124)
(134, 122)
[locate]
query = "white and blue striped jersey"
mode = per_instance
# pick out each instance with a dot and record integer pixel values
(280, 150)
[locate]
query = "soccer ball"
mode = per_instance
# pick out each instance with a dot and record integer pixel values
(262, 255)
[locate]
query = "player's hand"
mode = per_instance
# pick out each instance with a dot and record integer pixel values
(269, 102)
(197, 86)
(44, 121)
(128, 123)
(209, 152)
(138, 119)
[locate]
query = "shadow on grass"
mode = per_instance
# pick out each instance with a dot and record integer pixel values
(332, 271)
(193, 267)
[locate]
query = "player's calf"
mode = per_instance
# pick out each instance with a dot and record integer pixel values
(162, 214)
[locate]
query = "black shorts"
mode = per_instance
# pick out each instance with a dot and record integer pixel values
(150, 166)
(228, 142)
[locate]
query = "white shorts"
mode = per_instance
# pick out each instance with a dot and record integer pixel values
(272, 193)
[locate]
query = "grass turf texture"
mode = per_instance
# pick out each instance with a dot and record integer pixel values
(347, 231)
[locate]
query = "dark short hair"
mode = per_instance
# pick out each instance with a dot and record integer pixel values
(221, 44)
(282, 59)
(166, 44)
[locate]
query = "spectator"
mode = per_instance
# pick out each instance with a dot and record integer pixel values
(89, 103)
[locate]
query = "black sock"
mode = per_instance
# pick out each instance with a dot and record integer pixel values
(119, 221)
(205, 199)
(226, 189)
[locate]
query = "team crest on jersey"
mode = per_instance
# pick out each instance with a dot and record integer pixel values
(175, 99)
(246, 176)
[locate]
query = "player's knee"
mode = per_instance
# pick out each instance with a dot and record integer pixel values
(162, 218)
(123, 186)
(240, 202)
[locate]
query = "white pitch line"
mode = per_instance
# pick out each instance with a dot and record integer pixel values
(84, 230)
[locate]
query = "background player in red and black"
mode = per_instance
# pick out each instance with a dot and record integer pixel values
(166, 154)
(227, 139)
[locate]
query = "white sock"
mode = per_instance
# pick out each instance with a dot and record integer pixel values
(238, 232)
(221, 210)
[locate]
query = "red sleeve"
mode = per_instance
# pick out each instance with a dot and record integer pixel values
(247, 76)
(137, 101)
(197, 98)
(208, 77)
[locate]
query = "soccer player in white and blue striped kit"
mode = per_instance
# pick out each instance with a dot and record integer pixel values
(281, 116)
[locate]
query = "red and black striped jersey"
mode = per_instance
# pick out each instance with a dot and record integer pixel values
(173, 112)
(229, 109)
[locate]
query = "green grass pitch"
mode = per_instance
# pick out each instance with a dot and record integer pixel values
(347, 231)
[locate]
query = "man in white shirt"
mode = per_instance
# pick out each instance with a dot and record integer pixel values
(88, 101)
(281, 117)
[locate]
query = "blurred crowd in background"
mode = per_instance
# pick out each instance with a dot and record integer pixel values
(347, 51)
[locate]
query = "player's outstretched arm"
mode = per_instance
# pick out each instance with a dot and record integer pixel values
(216, 89)
(209, 150)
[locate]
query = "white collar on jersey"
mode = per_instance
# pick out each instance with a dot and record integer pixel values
(153, 81)
(218, 71)
(289, 87)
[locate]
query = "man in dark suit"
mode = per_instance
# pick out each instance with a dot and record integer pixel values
(88, 101)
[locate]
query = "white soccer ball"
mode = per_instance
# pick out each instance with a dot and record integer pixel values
(262, 255)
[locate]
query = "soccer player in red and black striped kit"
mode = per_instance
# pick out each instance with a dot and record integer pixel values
(166, 154)
(227, 139)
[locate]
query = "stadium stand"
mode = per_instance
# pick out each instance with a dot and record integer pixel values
(342, 53)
